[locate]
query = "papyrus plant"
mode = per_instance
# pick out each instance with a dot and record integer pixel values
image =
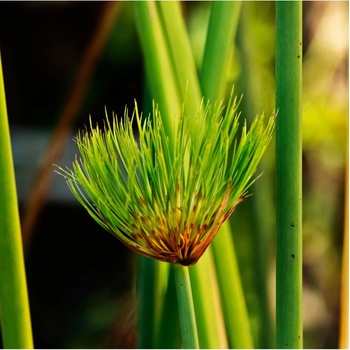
(167, 198)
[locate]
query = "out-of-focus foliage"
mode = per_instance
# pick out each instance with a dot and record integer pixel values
(325, 132)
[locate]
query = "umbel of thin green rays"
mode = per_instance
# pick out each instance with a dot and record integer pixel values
(165, 202)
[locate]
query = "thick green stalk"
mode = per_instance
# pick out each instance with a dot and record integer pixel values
(222, 28)
(289, 332)
(213, 81)
(14, 305)
(186, 308)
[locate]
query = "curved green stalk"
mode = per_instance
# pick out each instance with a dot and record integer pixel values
(14, 305)
(289, 332)
(186, 308)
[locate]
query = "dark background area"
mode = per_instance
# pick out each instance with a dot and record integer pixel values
(79, 278)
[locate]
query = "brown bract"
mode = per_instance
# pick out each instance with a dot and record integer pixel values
(181, 242)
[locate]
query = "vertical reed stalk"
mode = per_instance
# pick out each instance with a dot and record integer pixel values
(180, 51)
(186, 308)
(207, 303)
(235, 312)
(289, 332)
(14, 305)
(222, 29)
(158, 68)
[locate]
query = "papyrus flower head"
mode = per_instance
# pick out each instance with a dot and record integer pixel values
(166, 197)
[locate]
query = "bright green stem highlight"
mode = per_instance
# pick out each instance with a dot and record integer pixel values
(219, 43)
(232, 295)
(206, 297)
(14, 305)
(179, 48)
(157, 62)
(289, 332)
(186, 309)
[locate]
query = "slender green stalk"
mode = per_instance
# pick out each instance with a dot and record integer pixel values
(235, 311)
(180, 51)
(14, 305)
(222, 27)
(207, 303)
(186, 308)
(157, 62)
(289, 332)
(221, 31)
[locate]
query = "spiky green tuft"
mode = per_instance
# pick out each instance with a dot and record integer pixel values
(167, 202)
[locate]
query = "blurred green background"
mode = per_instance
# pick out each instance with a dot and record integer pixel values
(65, 61)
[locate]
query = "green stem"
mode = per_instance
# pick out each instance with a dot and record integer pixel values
(235, 312)
(207, 303)
(14, 304)
(222, 28)
(221, 31)
(180, 50)
(289, 332)
(186, 309)
(158, 68)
